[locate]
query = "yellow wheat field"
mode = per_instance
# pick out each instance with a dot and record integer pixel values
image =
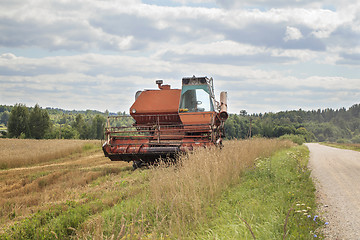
(25, 152)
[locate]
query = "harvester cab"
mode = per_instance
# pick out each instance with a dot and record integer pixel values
(166, 122)
(197, 95)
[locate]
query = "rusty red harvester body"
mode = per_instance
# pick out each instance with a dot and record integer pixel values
(167, 121)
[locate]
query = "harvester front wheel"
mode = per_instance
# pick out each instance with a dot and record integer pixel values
(137, 164)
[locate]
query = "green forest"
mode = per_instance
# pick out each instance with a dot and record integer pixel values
(20, 121)
(327, 125)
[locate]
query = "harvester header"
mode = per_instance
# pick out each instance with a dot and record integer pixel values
(165, 122)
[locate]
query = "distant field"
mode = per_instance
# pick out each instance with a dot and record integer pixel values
(349, 146)
(25, 152)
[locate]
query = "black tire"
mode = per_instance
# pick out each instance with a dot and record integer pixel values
(137, 164)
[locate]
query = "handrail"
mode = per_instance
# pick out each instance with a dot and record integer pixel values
(158, 130)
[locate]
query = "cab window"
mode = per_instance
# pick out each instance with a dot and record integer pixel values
(195, 100)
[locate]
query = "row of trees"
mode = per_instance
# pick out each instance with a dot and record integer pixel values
(82, 126)
(37, 123)
(28, 124)
(340, 125)
(322, 125)
(4, 114)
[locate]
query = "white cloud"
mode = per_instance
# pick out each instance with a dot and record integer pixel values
(110, 49)
(132, 26)
(297, 55)
(8, 56)
(292, 33)
(213, 48)
(331, 4)
(95, 81)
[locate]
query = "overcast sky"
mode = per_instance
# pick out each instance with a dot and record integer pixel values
(269, 55)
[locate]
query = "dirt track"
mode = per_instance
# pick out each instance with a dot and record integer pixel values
(337, 176)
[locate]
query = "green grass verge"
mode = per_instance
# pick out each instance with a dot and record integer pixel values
(348, 146)
(277, 197)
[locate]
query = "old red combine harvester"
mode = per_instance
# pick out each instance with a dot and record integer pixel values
(166, 122)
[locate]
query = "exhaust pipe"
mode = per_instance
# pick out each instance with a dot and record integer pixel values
(223, 106)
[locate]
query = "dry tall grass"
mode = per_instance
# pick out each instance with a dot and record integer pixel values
(183, 194)
(25, 152)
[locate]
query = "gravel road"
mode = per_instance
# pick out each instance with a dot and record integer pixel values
(336, 173)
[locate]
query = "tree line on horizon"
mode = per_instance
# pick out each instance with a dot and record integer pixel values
(38, 123)
(327, 125)
(340, 125)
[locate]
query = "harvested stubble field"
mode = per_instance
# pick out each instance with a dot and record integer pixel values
(26, 152)
(85, 195)
(43, 173)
